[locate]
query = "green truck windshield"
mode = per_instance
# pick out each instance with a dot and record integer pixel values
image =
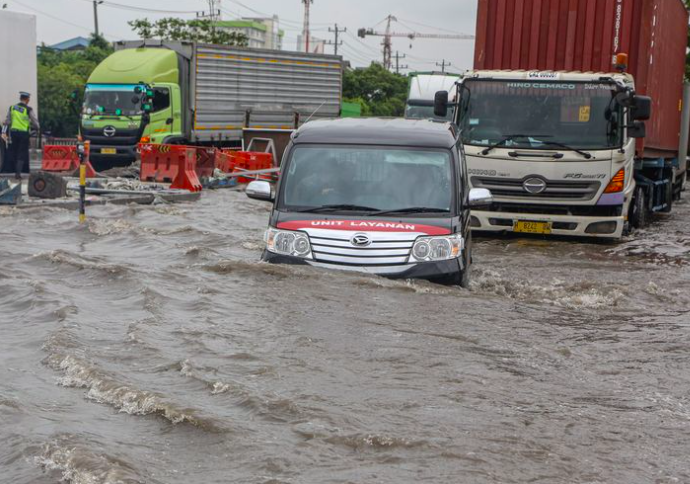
(112, 100)
(578, 114)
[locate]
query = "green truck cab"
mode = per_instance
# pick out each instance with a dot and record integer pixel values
(113, 116)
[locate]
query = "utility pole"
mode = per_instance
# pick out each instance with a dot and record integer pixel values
(214, 13)
(96, 3)
(337, 32)
(305, 30)
(397, 62)
(443, 65)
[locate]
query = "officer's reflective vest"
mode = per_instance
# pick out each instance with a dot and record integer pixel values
(20, 118)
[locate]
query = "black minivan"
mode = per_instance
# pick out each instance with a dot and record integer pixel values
(383, 196)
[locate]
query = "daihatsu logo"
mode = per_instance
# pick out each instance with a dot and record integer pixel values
(360, 240)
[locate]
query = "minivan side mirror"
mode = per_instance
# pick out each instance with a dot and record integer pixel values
(641, 109)
(441, 104)
(637, 130)
(260, 190)
(480, 198)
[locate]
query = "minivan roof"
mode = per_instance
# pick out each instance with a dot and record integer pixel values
(377, 131)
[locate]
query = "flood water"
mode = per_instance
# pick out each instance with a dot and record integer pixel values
(151, 346)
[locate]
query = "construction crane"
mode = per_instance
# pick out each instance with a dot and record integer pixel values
(388, 38)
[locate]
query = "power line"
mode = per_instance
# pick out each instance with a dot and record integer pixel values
(67, 22)
(134, 8)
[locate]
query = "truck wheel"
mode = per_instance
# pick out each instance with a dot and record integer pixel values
(669, 198)
(639, 214)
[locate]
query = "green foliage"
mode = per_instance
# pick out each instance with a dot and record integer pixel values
(203, 31)
(60, 74)
(378, 91)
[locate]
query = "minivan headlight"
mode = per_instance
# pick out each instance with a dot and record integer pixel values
(288, 242)
(429, 249)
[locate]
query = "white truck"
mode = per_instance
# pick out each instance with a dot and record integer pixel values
(556, 150)
(423, 88)
(18, 58)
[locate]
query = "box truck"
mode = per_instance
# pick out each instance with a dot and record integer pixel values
(572, 116)
(18, 58)
(423, 88)
(201, 95)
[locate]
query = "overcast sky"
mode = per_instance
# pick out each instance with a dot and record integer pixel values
(63, 19)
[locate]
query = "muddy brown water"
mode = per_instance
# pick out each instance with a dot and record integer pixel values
(151, 346)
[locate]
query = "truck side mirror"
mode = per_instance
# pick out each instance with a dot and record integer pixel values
(641, 108)
(441, 104)
(637, 130)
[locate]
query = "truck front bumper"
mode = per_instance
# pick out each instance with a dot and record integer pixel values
(102, 158)
(571, 225)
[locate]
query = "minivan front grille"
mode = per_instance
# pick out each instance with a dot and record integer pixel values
(340, 250)
(575, 190)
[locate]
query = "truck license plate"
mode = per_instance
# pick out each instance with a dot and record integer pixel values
(527, 227)
(108, 151)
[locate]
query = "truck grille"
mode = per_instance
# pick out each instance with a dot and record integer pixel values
(339, 250)
(579, 190)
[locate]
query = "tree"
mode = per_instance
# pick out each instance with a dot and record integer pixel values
(378, 91)
(204, 31)
(60, 73)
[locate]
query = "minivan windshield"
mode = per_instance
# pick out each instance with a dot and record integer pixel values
(334, 178)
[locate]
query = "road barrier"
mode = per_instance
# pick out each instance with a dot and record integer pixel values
(60, 158)
(186, 178)
(160, 163)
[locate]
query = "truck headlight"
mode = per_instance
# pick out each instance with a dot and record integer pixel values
(428, 249)
(287, 242)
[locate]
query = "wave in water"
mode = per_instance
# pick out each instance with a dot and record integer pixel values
(79, 464)
(571, 295)
(103, 388)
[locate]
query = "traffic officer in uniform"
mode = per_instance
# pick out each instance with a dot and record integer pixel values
(21, 119)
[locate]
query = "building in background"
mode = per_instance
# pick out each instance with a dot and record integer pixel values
(316, 46)
(263, 33)
(18, 61)
(75, 44)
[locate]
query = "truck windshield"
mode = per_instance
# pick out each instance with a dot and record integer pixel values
(425, 110)
(367, 179)
(580, 115)
(114, 100)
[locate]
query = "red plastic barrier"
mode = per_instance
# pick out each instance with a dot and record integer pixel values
(60, 158)
(251, 161)
(186, 178)
(224, 161)
(206, 161)
(160, 163)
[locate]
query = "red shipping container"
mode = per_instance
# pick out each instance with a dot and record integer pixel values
(585, 35)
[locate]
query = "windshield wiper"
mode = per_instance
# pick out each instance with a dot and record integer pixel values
(413, 210)
(335, 208)
(562, 145)
(511, 137)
